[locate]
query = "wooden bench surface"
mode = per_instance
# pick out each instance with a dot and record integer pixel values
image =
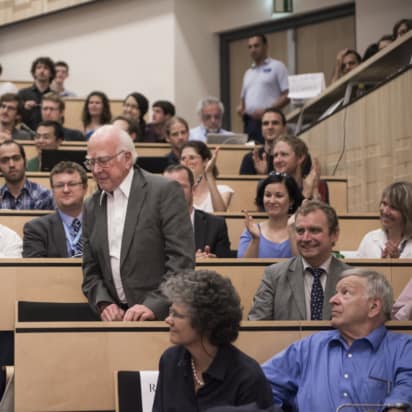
(59, 280)
(70, 366)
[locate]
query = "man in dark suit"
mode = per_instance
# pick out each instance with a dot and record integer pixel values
(300, 288)
(211, 238)
(137, 232)
(59, 234)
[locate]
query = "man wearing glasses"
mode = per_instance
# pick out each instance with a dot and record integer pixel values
(59, 234)
(137, 232)
(18, 193)
(210, 111)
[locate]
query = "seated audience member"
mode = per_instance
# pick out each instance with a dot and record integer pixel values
(7, 87)
(52, 108)
(260, 160)
(127, 124)
(49, 136)
(211, 237)
(401, 27)
(59, 234)
(18, 193)
(177, 134)
(10, 243)
(346, 60)
(394, 238)
(384, 41)
(370, 51)
(279, 196)
(96, 112)
(300, 288)
(203, 369)
(291, 156)
(62, 73)
(360, 362)
(209, 196)
(43, 72)
(210, 111)
(10, 114)
(135, 107)
(162, 111)
(402, 308)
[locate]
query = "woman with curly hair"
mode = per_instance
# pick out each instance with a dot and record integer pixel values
(96, 112)
(203, 369)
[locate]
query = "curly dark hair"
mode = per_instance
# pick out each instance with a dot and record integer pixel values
(202, 150)
(46, 61)
(106, 115)
(295, 194)
(214, 304)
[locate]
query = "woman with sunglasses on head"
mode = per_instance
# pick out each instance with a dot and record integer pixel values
(279, 196)
(291, 156)
(204, 369)
(394, 238)
(96, 112)
(208, 196)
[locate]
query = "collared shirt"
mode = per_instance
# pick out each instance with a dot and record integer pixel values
(321, 372)
(200, 133)
(308, 282)
(263, 84)
(233, 378)
(11, 245)
(116, 217)
(67, 223)
(32, 197)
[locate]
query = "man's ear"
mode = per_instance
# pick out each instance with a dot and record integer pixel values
(375, 307)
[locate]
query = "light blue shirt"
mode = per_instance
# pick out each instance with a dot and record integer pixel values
(321, 372)
(67, 222)
(267, 248)
(200, 133)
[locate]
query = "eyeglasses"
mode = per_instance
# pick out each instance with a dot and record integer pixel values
(176, 315)
(70, 185)
(8, 107)
(6, 159)
(102, 162)
(212, 116)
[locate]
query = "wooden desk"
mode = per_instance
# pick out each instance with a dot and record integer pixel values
(70, 366)
(59, 280)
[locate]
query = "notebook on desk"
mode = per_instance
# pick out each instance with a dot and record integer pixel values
(233, 138)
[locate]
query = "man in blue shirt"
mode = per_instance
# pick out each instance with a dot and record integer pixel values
(18, 193)
(359, 363)
(59, 234)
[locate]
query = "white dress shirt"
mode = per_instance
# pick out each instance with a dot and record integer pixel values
(116, 216)
(11, 245)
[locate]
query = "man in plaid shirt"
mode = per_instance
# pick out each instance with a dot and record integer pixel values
(18, 192)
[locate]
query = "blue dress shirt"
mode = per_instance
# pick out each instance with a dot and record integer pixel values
(321, 372)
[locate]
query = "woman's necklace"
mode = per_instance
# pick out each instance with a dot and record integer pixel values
(195, 377)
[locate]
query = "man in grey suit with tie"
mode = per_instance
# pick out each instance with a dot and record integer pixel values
(300, 288)
(59, 234)
(137, 232)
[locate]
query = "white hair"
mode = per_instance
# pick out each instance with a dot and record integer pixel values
(206, 102)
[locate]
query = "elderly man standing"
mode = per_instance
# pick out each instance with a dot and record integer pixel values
(137, 232)
(210, 111)
(299, 289)
(359, 363)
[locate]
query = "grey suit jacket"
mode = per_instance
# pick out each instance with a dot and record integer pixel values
(157, 242)
(44, 237)
(281, 294)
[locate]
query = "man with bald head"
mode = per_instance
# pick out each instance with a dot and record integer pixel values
(137, 232)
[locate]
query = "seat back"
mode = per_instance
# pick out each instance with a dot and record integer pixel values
(135, 390)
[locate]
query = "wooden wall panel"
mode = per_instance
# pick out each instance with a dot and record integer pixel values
(318, 44)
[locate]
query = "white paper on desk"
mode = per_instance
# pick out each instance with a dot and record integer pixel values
(148, 381)
(306, 86)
